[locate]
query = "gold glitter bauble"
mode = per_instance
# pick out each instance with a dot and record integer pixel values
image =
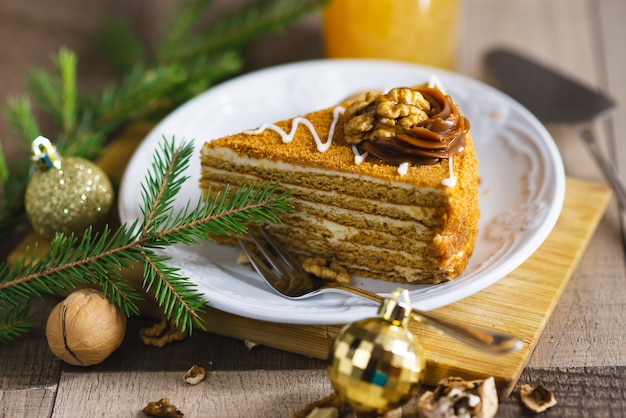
(375, 364)
(68, 199)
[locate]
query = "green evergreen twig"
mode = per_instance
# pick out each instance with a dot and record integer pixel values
(98, 259)
(119, 44)
(242, 26)
(14, 322)
(188, 61)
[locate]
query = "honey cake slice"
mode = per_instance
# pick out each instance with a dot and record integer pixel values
(386, 185)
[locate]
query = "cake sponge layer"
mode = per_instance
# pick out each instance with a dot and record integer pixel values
(413, 227)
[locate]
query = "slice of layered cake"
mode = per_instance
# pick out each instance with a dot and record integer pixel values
(385, 185)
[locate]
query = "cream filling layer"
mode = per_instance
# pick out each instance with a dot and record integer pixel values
(372, 219)
(340, 234)
(226, 154)
(419, 213)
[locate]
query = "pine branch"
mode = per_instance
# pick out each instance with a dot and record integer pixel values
(98, 258)
(22, 121)
(66, 64)
(14, 321)
(162, 184)
(121, 46)
(175, 294)
(201, 73)
(189, 60)
(12, 212)
(4, 173)
(183, 21)
(84, 141)
(257, 18)
(138, 91)
(149, 93)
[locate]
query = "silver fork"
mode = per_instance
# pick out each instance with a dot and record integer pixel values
(287, 278)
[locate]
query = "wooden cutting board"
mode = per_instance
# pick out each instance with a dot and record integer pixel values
(520, 303)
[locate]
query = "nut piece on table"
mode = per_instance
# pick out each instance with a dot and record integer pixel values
(537, 399)
(324, 412)
(162, 408)
(328, 407)
(161, 334)
(455, 398)
(326, 269)
(194, 375)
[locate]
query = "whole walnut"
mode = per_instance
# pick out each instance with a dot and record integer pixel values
(85, 328)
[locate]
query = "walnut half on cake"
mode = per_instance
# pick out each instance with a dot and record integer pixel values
(386, 185)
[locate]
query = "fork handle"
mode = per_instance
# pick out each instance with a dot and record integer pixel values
(486, 340)
(481, 338)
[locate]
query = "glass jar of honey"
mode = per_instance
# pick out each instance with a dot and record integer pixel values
(419, 31)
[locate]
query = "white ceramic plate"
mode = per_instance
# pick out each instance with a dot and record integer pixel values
(521, 191)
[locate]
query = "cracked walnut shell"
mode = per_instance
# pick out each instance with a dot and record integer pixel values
(194, 375)
(537, 398)
(162, 333)
(455, 398)
(162, 408)
(84, 328)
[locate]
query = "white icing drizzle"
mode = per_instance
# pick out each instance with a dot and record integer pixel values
(323, 146)
(358, 157)
(288, 137)
(403, 168)
(435, 82)
(451, 180)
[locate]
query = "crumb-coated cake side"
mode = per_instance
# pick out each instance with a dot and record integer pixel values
(386, 185)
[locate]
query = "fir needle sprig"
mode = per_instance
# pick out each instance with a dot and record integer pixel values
(98, 258)
(190, 58)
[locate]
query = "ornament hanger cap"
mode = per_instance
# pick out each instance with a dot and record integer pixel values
(396, 308)
(45, 155)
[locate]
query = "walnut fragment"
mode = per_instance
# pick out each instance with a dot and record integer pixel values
(328, 407)
(194, 375)
(380, 115)
(161, 334)
(162, 408)
(250, 344)
(318, 266)
(537, 399)
(242, 259)
(455, 398)
(326, 269)
(325, 412)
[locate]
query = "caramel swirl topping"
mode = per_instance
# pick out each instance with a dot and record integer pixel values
(419, 125)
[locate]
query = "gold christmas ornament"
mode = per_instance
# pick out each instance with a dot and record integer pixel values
(65, 194)
(376, 364)
(85, 328)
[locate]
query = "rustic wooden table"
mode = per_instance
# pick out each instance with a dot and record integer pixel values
(580, 355)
